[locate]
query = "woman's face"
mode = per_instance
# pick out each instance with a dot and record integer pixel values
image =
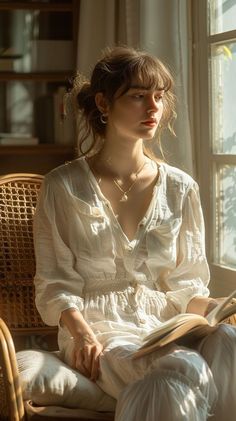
(137, 113)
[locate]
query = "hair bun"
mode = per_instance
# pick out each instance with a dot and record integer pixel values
(85, 98)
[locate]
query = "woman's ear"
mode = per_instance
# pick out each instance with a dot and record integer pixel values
(101, 103)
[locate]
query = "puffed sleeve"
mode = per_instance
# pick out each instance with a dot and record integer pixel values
(191, 275)
(58, 286)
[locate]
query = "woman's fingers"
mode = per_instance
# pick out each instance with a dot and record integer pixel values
(91, 361)
(86, 353)
(88, 356)
(95, 365)
(79, 363)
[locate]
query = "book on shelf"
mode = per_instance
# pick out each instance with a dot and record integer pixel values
(52, 124)
(17, 139)
(64, 130)
(6, 65)
(8, 59)
(187, 327)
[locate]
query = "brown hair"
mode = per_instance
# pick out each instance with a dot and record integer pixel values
(116, 71)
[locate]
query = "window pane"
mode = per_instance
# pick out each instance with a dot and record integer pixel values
(222, 15)
(223, 87)
(226, 215)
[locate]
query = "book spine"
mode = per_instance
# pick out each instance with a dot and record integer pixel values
(63, 121)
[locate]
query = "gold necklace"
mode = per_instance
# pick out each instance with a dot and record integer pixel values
(124, 196)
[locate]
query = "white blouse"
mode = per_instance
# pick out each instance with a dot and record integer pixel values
(84, 260)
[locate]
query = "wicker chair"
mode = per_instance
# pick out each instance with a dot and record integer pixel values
(18, 314)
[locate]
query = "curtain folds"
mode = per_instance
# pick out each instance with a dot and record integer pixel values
(105, 23)
(159, 27)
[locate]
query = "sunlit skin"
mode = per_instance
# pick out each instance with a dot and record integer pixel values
(131, 118)
(135, 115)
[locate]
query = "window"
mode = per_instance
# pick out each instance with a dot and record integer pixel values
(214, 58)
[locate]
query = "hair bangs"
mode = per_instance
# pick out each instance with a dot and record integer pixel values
(150, 73)
(153, 75)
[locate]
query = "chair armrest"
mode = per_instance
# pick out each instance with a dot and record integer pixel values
(10, 376)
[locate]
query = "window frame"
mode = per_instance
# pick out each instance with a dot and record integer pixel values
(223, 279)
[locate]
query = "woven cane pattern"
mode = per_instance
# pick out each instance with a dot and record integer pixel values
(4, 413)
(18, 197)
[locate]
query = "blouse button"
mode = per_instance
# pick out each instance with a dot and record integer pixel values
(142, 321)
(96, 212)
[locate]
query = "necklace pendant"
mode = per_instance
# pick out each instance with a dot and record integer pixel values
(124, 198)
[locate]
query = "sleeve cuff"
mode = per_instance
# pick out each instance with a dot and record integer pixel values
(181, 298)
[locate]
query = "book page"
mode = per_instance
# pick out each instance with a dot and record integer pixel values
(182, 330)
(186, 326)
(190, 331)
(178, 331)
(172, 324)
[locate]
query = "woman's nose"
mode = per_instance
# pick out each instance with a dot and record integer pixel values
(153, 104)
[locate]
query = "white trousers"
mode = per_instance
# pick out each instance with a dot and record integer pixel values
(175, 383)
(182, 385)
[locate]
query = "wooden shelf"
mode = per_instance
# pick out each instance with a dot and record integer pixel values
(38, 76)
(47, 149)
(39, 158)
(37, 5)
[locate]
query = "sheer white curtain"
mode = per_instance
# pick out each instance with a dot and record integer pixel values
(105, 23)
(158, 26)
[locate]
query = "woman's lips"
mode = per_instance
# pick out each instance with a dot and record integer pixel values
(150, 123)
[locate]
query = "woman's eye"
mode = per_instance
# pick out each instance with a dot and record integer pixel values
(158, 98)
(138, 96)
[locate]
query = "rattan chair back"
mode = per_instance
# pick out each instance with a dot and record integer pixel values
(18, 198)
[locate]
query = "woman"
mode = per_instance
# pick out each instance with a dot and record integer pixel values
(119, 241)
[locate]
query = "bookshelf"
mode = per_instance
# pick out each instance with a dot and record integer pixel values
(37, 60)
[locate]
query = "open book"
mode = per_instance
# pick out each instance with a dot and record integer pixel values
(187, 327)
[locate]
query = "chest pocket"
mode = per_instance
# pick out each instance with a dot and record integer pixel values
(93, 230)
(162, 247)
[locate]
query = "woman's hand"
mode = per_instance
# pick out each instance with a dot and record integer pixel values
(87, 351)
(214, 302)
(203, 305)
(210, 306)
